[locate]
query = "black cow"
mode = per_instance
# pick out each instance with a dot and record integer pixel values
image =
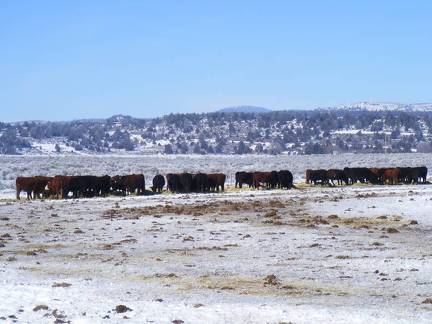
(186, 181)
(243, 177)
(317, 176)
(336, 175)
(102, 186)
(200, 182)
(285, 179)
(360, 174)
(173, 182)
(421, 173)
(216, 181)
(158, 183)
(79, 186)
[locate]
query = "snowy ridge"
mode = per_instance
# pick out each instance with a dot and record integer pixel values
(385, 106)
(358, 128)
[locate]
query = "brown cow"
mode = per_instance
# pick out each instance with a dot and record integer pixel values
(33, 186)
(262, 178)
(391, 175)
(59, 186)
(54, 187)
(135, 183)
(216, 180)
(24, 184)
(129, 183)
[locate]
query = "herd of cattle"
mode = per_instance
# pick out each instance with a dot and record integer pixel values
(101, 186)
(349, 176)
(94, 186)
(79, 186)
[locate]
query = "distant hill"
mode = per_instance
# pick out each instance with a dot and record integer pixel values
(245, 109)
(359, 128)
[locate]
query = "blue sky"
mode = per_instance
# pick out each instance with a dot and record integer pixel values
(62, 60)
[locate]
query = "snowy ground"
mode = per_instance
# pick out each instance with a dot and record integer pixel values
(332, 255)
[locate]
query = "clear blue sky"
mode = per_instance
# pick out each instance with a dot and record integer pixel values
(62, 60)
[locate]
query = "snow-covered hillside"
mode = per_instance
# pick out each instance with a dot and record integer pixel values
(386, 106)
(275, 132)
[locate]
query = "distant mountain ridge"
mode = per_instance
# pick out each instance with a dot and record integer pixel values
(385, 106)
(364, 127)
(362, 105)
(245, 109)
(353, 129)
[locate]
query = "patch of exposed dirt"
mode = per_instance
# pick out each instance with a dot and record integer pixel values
(353, 222)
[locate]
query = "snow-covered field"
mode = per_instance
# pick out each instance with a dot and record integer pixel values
(310, 255)
(150, 165)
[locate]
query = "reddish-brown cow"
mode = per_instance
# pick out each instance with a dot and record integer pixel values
(33, 186)
(262, 178)
(391, 175)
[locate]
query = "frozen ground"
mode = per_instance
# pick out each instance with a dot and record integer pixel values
(329, 255)
(149, 165)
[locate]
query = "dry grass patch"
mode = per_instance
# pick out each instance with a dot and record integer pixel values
(224, 207)
(267, 286)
